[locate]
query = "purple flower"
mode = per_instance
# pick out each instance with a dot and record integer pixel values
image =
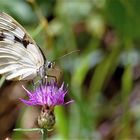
(49, 95)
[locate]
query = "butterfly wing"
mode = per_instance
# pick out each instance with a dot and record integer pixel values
(20, 57)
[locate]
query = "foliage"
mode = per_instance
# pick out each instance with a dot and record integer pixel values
(103, 76)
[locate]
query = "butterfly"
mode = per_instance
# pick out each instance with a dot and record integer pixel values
(20, 57)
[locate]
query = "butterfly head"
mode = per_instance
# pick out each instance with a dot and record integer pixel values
(49, 65)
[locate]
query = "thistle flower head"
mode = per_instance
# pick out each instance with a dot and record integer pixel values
(47, 95)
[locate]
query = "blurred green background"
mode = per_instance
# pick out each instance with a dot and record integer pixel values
(103, 77)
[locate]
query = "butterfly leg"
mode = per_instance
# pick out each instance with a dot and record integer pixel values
(43, 81)
(54, 77)
(33, 84)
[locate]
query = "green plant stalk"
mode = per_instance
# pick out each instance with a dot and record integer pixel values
(104, 70)
(126, 116)
(27, 130)
(102, 73)
(43, 131)
(2, 80)
(44, 134)
(62, 122)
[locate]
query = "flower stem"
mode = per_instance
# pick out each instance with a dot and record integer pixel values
(27, 129)
(44, 134)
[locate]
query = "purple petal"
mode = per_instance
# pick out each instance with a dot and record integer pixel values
(69, 102)
(27, 102)
(49, 94)
(28, 92)
(62, 86)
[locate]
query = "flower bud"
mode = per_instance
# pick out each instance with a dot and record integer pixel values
(46, 120)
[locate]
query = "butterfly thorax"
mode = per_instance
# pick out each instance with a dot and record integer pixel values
(41, 71)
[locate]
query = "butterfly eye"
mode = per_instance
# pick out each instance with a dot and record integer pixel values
(49, 65)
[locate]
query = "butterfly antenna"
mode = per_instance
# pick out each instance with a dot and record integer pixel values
(75, 51)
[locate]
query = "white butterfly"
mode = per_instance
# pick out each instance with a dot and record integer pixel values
(20, 57)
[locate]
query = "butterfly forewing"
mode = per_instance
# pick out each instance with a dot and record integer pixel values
(20, 57)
